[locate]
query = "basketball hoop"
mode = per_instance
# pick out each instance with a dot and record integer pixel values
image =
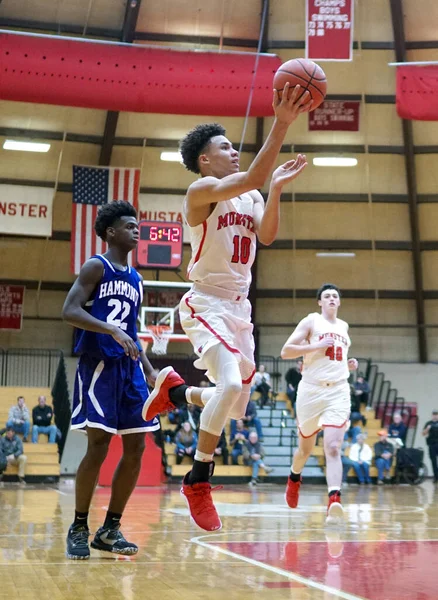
(160, 335)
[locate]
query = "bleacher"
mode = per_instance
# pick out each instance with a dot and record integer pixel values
(238, 473)
(42, 458)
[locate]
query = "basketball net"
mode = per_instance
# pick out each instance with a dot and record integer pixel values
(160, 338)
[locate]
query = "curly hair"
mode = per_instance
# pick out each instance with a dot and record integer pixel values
(110, 213)
(196, 141)
(327, 286)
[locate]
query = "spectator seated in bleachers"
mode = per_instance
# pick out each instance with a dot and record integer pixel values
(261, 383)
(195, 414)
(397, 430)
(222, 448)
(253, 454)
(352, 433)
(237, 439)
(355, 414)
(362, 390)
(384, 454)
(360, 458)
(186, 441)
(293, 378)
(42, 415)
(12, 447)
(19, 419)
(251, 420)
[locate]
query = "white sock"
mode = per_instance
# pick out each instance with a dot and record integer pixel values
(203, 457)
(334, 488)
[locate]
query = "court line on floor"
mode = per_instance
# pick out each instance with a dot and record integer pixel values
(281, 572)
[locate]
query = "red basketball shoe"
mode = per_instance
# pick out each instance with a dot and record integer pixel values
(158, 401)
(292, 492)
(201, 507)
(335, 510)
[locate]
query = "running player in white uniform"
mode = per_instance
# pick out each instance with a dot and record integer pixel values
(323, 398)
(226, 213)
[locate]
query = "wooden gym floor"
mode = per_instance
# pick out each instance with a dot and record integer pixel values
(388, 549)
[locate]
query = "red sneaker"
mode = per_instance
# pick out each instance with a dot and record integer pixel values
(201, 507)
(292, 492)
(158, 401)
(335, 510)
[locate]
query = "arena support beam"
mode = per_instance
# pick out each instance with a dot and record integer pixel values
(112, 116)
(411, 180)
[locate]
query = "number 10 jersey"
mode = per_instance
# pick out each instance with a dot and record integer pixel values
(327, 365)
(116, 300)
(224, 246)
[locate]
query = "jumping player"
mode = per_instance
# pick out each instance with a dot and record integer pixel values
(226, 214)
(323, 398)
(110, 386)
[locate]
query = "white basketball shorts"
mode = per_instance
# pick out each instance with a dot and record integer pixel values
(321, 406)
(209, 320)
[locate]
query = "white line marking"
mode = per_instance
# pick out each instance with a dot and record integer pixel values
(288, 574)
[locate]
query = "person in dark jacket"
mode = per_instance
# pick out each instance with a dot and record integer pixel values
(12, 447)
(293, 378)
(253, 454)
(430, 432)
(42, 415)
(398, 429)
(222, 448)
(384, 453)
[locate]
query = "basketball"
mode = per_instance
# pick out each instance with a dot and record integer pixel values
(305, 73)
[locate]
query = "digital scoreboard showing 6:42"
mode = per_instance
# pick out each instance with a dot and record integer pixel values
(160, 245)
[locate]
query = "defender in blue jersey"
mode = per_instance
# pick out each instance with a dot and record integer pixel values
(111, 378)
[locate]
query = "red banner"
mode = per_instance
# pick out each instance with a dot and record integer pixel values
(329, 34)
(11, 306)
(133, 77)
(335, 115)
(417, 93)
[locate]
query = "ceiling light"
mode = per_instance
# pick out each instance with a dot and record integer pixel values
(171, 156)
(334, 161)
(26, 146)
(335, 254)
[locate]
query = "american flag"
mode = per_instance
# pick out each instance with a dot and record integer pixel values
(93, 187)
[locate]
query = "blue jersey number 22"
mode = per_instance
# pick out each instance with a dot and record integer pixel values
(114, 314)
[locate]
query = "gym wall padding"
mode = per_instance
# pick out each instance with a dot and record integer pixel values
(70, 72)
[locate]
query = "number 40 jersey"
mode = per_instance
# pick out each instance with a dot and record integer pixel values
(116, 300)
(327, 365)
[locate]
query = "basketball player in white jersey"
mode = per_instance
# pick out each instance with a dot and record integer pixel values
(226, 213)
(323, 398)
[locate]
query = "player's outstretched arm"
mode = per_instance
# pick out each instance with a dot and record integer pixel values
(74, 313)
(296, 344)
(267, 218)
(210, 190)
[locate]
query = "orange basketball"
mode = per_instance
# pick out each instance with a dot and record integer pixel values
(307, 74)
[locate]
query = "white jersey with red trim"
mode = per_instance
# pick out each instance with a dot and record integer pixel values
(327, 365)
(224, 245)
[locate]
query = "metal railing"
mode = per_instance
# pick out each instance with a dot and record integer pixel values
(28, 367)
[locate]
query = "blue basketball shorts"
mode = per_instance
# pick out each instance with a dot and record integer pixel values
(109, 394)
